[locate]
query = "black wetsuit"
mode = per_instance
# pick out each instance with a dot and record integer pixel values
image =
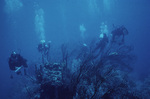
(44, 50)
(121, 31)
(17, 61)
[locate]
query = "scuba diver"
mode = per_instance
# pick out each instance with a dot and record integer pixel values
(118, 32)
(101, 44)
(43, 48)
(16, 62)
(83, 52)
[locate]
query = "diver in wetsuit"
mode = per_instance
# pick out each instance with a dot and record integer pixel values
(102, 43)
(118, 32)
(44, 48)
(16, 62)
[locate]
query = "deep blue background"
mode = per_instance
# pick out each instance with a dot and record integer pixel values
(62, 21)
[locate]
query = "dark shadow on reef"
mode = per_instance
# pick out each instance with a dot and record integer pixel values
(99, 70)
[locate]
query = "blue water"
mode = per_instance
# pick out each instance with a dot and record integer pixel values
(62, 19)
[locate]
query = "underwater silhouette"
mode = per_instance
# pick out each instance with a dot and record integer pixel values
(101, 72)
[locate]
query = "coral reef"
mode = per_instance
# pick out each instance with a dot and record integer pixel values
(99, 72)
